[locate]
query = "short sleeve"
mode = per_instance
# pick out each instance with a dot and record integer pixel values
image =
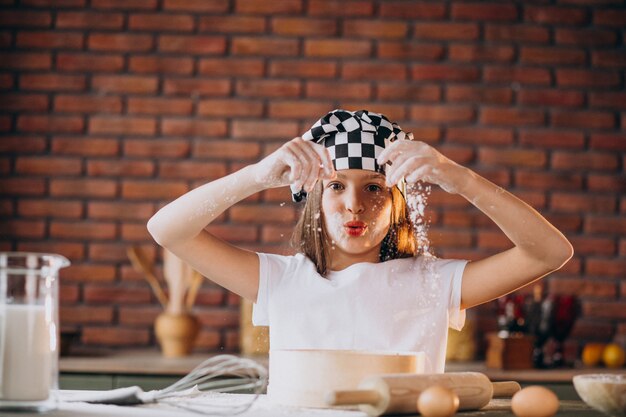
(456, 316)
(272, 270)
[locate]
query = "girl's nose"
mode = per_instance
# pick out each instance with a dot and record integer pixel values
(354, 203)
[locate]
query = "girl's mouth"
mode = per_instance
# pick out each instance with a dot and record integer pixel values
(355, 228)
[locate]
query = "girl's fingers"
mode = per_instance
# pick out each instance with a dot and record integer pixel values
(421, 173)
(405, 168)
(312, 163)
(295, 166)
(327, 163)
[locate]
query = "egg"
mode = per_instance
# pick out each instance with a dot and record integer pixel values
(437, 401)
(535, 401)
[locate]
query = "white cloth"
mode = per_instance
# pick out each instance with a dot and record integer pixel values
(402, 305)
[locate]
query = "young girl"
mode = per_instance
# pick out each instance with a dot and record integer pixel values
(357, 282)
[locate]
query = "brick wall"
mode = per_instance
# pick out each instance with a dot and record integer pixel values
(111, 108)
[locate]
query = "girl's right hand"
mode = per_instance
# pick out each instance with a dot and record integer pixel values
(299, 162)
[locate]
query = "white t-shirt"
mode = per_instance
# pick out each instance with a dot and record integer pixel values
(399, 305)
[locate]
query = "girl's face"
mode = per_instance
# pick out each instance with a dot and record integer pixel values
(356, 209)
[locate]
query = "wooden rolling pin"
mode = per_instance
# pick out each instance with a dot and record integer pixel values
(398, 393)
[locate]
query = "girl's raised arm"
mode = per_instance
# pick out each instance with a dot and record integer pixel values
(180, 225)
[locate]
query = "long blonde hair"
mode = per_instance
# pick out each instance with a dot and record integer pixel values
(310, 236)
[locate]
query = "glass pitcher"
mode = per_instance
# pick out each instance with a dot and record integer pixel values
(29, 323)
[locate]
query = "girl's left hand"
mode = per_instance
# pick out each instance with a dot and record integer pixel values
(418, 161)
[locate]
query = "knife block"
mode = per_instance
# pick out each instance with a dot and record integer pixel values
(512, 352)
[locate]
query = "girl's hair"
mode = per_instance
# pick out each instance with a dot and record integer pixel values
(310, 235)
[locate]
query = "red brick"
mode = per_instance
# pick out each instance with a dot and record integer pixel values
(446, 31)
(52, 3)
(268, 88)
(481, 94)
(191, 170)
(404, 50)
(161, 65)
(193, 127)
(161, 190)
(6, 39)
(585, 37)
(234, 233)
(607, 183)
(608, 141)
(374, 71)
(72, 251)
(6, 123)
(610, 17)
(22, 186)
(592, 330)
(136, 232)
(219, 6)
(89, 20)
(586, 161)
(232, 24)
(50, 39)
(50, 123)
(82, 230)
(552, 138)
(174, 148)
(110, 168)
(268, 8)
(23, 102)
(196, 44)
(25, 60)
(376, 29)
(87, 104)
(24, 18)
(396, 91)
(521, 75)
(89, 273)
(122, 125)
(262, 129)
(440, 72)
(511, 116)
(303, 26)
(608, 59)
(339, 48)
(516, 33)
(197, 87)
(303, 69)
(583, 119)
(23, 229)
(565, 222)
(412, 10)
(606, 267)
(611, 100)
(52, 82)
(493, 240)
(114, 336)
(226, 149)
(622, 247)
(230, 107)
(231, 67)
(209, 340)
(548, 181)
(6, 81)
(156, 106)
(339, 8)
(85, 314)
(162, 22)
(124, 4)
(605, 225)
(119, 42)
(555, 15)
(582, 203)
(586, 78)
(297, 109)
(89, 62)
(484, 11)
(581, 288)
(442, 114)
(481, 53)
(119, 210)
(338, 90)
(124, 84)
(589, 245)
(479, 135)
(545, 97)
(138, 316)
(45, 165)
(108, 252)
(83, 188)
(391, 110)
(264, 46)
(515, 157)
(85, 146)
(551, 56)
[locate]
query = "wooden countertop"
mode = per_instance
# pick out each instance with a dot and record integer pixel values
(150, 362)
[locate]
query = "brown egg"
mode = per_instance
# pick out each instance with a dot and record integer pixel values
(437, 401)
(535, 401)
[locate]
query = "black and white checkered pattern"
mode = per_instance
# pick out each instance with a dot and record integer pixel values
(353, 139)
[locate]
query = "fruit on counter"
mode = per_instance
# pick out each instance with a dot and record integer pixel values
(535, 401)
(437, 401)
(592, 354)
(613, 356)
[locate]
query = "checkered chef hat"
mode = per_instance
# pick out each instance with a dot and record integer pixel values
(353, 139)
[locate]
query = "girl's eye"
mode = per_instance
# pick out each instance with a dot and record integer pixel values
(335, 186)
(374, 188)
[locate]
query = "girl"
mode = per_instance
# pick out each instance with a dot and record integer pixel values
(357, 282)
